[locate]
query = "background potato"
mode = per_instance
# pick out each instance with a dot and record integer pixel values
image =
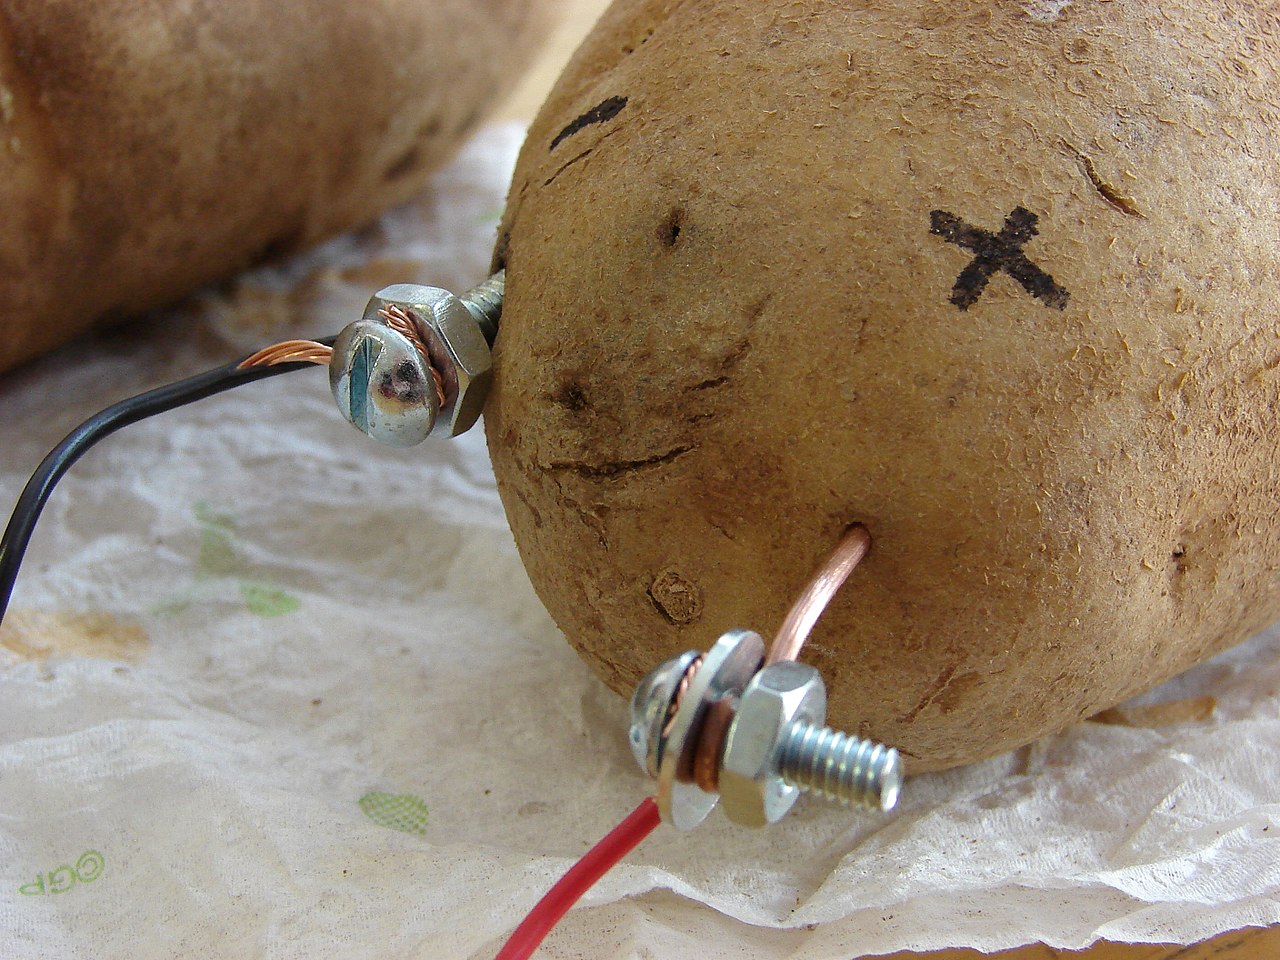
(996, 279)
(150, 146)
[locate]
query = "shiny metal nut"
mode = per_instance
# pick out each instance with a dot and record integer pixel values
(382, 385)
(457, 347)
(777, 698)
(651, 707)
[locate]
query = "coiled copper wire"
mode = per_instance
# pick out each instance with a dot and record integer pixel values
(681, 689)
(308, 351)
(402, 323)
(703, 764)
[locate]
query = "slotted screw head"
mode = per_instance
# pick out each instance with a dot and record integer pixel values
(382, 384)
(650, 709)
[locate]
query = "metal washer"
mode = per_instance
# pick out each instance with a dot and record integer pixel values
(726, 668)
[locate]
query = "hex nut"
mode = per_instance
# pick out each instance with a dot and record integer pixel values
(457, 348)
(751, 786)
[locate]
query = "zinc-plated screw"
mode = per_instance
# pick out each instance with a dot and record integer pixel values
(484, 302)
(430, 375)
(777, 747)
(840, 768)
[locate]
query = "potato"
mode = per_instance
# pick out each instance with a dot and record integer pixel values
(148, 147)
(998, 280)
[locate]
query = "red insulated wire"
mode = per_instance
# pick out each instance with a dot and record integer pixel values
(624, 838)
(597, 861)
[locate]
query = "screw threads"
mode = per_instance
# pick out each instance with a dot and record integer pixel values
(484, 302)
(840, 768)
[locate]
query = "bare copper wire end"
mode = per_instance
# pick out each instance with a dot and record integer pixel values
(290, 351)
(308, 351)
(400, 321)
(702, 764)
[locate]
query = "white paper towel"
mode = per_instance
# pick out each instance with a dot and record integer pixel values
(269, 690)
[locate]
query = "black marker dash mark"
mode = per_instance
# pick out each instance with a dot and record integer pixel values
(598, 114)
(994, 252)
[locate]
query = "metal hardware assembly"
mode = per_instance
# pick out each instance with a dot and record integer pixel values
(775, 745)
(722, 672)
(721, 727)
(418, 363)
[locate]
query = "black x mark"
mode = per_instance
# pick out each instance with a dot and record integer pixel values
(994, 252)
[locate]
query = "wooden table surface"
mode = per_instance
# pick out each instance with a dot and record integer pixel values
(1252, 943)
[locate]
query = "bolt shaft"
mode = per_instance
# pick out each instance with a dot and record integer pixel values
(484, 302)
(840, 768)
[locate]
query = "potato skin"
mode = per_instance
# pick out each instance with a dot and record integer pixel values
(149, 146)
(729, 333)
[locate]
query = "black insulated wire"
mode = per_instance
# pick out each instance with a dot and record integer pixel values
(35, 495)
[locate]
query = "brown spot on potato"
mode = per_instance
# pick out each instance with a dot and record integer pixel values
(670, 228)
(36, 635)
(677, 599)
(571, 396)
(616, 469)
(431, 128)
(566, 165)
(1105, 190)
(407, 162)
(282, 243)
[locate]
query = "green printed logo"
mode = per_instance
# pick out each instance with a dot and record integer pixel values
(219, 560)
(61, 879)
(399, 811)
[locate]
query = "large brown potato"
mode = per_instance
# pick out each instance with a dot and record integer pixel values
(998, 280)
(150, 146)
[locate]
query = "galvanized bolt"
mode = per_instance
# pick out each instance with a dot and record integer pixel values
(430, 377)
(484, 302)
(840, 768)
(776, 745)
(383, 384)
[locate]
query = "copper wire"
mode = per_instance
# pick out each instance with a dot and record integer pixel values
(710, 745)
(308, 351)
(400, 321)
(681, 689)
(701, 765)
(804, 613)
(290, 351)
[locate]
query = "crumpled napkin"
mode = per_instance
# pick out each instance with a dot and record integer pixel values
(271, 690)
